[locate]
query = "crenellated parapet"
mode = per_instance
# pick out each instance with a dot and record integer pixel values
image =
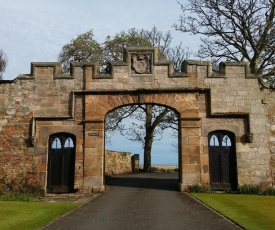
(140, 69)
(46, 101)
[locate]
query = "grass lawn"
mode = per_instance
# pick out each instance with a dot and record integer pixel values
(249, 211)
(30, 215)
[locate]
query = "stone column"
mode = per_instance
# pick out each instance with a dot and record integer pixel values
(135, 163)
(94, 157)
(190, 152)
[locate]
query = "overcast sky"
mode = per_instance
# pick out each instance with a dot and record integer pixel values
(36, 30)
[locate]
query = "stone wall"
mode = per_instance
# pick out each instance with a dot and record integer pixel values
(117, 162)
(36, 105)
(269, 101)
(234, 92)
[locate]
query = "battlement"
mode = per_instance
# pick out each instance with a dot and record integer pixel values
(139, 62)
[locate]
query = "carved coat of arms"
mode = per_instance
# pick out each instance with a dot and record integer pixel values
(141, 64)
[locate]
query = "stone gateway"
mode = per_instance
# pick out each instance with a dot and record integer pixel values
(52, 125)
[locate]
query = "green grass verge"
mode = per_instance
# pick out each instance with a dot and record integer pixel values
(30, 215)
(249, 211)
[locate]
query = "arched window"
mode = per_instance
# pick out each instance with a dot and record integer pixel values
(214, 141)
(226, 141)
(69, 143)
(56, 144)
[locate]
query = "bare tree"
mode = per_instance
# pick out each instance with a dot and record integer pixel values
(149, 123)
(233, 30)
(159, 39)
(3, 63)
(177, 55)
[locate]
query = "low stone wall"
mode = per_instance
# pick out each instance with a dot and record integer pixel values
(163, 168)
(117, 162)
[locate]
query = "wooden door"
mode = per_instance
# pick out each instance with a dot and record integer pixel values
(222, 160)
(61, 163)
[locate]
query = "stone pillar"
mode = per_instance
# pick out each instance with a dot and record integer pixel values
(135, 163)
(94, 157)
(190, 152)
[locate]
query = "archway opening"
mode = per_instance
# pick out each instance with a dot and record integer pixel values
(148, 132)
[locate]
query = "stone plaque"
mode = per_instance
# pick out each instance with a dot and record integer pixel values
(141, 64)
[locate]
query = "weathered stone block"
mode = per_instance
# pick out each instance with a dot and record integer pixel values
(194, 140)
(204, 159)
(191, 168)
(190, 150)
(240, 147)
(117, 162)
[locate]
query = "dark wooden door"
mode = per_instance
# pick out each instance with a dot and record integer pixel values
(61, 163)
(222, 160)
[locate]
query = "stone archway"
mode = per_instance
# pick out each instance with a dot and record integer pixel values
(184, 103)
(83, 98)
(46, 101)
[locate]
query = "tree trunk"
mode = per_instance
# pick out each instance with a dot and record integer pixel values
(147, 153)
(149, 137)
(254, 65)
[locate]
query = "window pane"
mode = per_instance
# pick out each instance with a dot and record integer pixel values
(226, 141)
(214, 141)
(56, 143)
(69, 143)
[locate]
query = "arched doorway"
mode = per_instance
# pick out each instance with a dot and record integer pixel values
(222, 160)
(98, 105)
(61, 163)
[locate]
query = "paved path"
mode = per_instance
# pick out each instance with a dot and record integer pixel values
(142, 201)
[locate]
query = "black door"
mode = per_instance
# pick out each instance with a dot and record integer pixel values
(61, 163)
(222, 160)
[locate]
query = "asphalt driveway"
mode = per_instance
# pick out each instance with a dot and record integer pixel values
(143, 201)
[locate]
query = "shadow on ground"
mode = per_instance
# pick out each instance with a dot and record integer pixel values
(159, 181)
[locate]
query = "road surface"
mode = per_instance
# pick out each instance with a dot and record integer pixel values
(142, 201)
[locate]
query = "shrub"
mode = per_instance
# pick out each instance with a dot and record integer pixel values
(250, 189)
(196, 188)
(18, 187)
(269, 192)
(244, 189)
